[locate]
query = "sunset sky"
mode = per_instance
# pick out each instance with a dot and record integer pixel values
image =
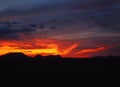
(71, 28)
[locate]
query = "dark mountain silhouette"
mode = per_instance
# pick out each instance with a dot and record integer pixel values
(53, 57)
(16, 56)
(56, 68)
(38, 59)
(48, 58)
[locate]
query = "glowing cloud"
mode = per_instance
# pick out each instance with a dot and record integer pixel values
(45, 47)
(68, 50)
(92, 50)
(36, 46)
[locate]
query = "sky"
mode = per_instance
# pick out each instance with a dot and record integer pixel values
(71, 28)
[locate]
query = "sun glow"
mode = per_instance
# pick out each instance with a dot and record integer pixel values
(46, 47)
(51, 50)
(42, 47)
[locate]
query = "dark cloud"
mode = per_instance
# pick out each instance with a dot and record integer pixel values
(107, 18)
(47, 6)
(9, 23)
(33, 25)
(85, 15)
(8, 32)
(52, 27)
(82, 13)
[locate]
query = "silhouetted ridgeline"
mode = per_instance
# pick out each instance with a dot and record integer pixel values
(56, 67)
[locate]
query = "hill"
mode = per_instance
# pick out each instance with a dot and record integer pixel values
(56, 68)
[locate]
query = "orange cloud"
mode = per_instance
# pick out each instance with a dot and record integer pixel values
(47, 47)
(92, 50)
(69, 49)
(36, 46)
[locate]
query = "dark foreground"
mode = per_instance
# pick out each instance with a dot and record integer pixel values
(55, 70)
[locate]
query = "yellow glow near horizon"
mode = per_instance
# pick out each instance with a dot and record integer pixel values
(52, 50)
(47, 47)
(36, 46)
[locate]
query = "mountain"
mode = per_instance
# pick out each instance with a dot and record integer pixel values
(58, 68)
(15, 57)
(53, 57)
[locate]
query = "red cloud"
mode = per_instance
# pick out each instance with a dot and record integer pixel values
(36, 46)
(91, 50)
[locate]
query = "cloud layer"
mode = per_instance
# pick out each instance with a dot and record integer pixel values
(94, 22)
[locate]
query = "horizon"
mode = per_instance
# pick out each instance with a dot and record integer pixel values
(70, 28)
(15, 53)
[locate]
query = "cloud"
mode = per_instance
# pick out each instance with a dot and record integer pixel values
(12, 31)
(42, 6)
(69, 49)
(90, 23)
(91, 50)
(108, 18)
(84, 13)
